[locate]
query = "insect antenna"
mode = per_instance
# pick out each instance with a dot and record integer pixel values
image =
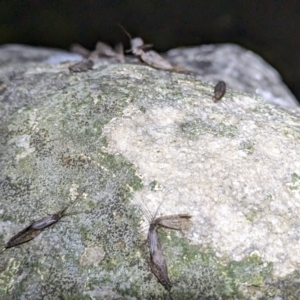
(143, 208)
(68, 206)
(125, 31)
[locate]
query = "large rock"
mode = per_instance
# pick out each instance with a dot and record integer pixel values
(125, 134)
(240, 68)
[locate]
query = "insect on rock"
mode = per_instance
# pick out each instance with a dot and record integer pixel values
(35, 228)
(151, 58)
(219, 91)
(157, 259)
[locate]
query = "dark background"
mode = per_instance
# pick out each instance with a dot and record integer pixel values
(268, 27)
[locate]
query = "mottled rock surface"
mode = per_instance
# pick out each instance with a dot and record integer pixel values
(123, 134)
(240, 68)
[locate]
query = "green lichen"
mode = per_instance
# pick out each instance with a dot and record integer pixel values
(247, 146)
(288, 287)
(251, 215)
(7, 275)
(143, 109)
(155, 186)
(197, 127)
(250, 271)
(66, 150)
(294, 184)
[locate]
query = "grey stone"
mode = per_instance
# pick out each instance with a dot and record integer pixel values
(240, 68)
(125, 139)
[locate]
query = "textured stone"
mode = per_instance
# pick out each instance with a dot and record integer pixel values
(240, 68)
(122, 136)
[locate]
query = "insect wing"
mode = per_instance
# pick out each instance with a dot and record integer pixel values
(153, 240)
(120, 52)
(176, 222)
(153, 59)
(82, 66)
(44, 222)
(76, 48)
(105, 50)
(159, 269)
(23, 236)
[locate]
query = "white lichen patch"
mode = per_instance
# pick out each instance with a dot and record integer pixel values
(92, 256)
(23, 141)
(230, 169)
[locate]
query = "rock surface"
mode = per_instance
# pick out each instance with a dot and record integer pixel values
(125, 134)
(240, 68)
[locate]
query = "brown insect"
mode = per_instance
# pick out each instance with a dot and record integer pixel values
(219, 91)
(23, 236)
(76, 48)
(35, 228)
(50, 220)
(157, 260)
(175, 222)
(82, 66)
(151, 58)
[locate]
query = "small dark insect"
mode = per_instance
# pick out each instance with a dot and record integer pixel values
(35, 228)
(82, 66)
(219, 92)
